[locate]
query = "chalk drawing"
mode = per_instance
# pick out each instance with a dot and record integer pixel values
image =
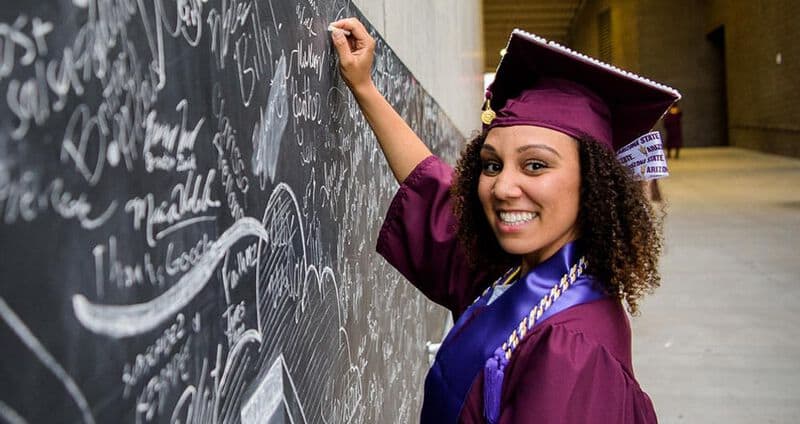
(129, 320)
(268, 132)
(275, 398)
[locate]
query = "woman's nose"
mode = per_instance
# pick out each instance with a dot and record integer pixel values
(505, 186)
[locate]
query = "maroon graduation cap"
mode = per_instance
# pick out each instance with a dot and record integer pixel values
(544, 84)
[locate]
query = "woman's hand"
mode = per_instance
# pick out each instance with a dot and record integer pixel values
(356, 53)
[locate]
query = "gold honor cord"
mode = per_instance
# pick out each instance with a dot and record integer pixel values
(529, 321)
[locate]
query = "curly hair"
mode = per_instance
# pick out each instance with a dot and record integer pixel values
(619, 230)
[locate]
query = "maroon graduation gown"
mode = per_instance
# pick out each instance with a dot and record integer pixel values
(574, 367)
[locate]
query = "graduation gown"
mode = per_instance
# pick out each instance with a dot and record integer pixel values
(574, 367)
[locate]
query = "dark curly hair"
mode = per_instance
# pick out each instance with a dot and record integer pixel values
(619, 229)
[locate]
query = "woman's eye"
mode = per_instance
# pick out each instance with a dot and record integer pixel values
(535, 166)
(491, 168)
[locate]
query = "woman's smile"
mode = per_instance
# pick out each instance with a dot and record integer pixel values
(513, 220)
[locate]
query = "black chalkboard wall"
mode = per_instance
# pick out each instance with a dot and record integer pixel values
(189, 202)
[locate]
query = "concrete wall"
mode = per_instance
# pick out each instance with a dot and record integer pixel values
(674, 50)
(441, 42)
(763, 95)
(740, 95)
(625, 49)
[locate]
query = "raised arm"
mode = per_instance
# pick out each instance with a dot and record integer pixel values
(401, 146)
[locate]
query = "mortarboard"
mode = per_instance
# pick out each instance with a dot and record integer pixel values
(545, 84)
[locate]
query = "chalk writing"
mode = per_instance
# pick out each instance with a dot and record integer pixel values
(26, 199)
(155, 353)
(306, 21)
(305, 101)
(192, 197)
(307, 58)
(235, 325)
(168, 147)
(124, 321)
(177, 263)
(243, 262)
(111, 270)
(230, 161)
(153, 396)
(224, 23)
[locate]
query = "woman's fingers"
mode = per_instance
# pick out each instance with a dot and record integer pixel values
(358, 31)
(356, 28)
(359, 38)
(342, 46)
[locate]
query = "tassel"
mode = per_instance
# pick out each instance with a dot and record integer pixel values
(493, 385)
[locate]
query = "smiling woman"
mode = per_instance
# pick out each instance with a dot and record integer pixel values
(529, 188)
(615, 224)
(539, 200)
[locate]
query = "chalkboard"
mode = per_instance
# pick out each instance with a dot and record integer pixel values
(189, 202)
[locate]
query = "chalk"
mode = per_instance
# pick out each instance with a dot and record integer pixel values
(332, 28)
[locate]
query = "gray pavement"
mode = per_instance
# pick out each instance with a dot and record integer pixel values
(719, 342)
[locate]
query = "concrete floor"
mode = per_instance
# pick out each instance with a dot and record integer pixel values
(719, 342)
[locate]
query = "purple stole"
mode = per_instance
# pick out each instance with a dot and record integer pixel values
(482, 328)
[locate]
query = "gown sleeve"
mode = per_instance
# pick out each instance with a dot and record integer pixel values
(566, 378)
(418, 237)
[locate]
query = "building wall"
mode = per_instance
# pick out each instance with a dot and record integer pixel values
(763, 95)
(675, 51)
(740, 96)
(624, 30)
(441, 42)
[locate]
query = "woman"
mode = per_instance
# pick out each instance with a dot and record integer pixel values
(540, 201)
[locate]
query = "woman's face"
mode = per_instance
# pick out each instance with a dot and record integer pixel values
(530, 190)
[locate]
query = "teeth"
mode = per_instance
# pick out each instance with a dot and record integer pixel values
(516, 217)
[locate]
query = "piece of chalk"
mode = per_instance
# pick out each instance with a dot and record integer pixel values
(331, 28)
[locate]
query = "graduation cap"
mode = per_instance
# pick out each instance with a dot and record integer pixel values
(544, 84)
